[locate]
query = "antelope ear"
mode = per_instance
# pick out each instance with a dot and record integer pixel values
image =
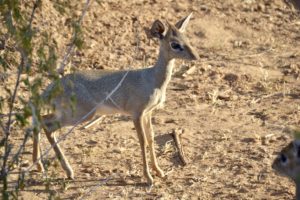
(297, 147)
(181, 24)
(157, 30)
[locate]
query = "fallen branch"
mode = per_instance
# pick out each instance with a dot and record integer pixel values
(176, 133)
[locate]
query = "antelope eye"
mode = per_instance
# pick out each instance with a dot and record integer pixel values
(283, 158)
(176, 46)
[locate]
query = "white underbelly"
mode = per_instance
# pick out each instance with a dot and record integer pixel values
(108, 110)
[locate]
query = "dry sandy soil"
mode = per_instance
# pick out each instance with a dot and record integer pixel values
(234, 104)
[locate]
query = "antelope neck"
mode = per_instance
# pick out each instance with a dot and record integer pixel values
(163, 69)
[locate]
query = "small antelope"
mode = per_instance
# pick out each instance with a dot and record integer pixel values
(140, 93)
(287, 164)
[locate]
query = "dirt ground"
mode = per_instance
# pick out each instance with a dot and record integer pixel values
(235, 104)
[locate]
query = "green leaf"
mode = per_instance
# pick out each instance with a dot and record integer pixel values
(17, 15)
(26, 82)
(78, 42)
(21, 119)
(25, 35)
(27, 112)
(78, 36)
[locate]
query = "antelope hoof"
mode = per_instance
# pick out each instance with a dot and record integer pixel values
(40, 167)
(70, 175)
(160, 173)
(149, 181)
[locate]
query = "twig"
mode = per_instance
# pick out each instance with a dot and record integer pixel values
(69, 51)
(23, 63)
(20, 150)
(7, 115)
(35, 5)
(267, 96)
(35, 124)
(9, 121)
(176, 136)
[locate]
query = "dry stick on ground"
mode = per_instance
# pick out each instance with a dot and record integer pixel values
(176, 136)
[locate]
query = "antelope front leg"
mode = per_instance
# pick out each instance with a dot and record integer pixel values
(50, 126)
(59, 154)
(138, 123)
(36, 152)
(150, 139)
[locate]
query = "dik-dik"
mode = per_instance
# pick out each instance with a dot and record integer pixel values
(287, 164)
(141, 92)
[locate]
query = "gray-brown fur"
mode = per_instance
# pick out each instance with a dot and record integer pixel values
(141, 91)
(287, 163)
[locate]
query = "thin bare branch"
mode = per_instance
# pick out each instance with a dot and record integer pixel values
(70, 49)
(23, 63)
(35, 6)
(35, 124)
(2, 126)
(9, 121)
(21, 148)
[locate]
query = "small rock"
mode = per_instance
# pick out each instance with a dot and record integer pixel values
(243, 190)
(117, 150)
(237, 43)
(230, 77)
(92, 142)
(190, 71)
(169, 121)
(234, 97)
(249, 140)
